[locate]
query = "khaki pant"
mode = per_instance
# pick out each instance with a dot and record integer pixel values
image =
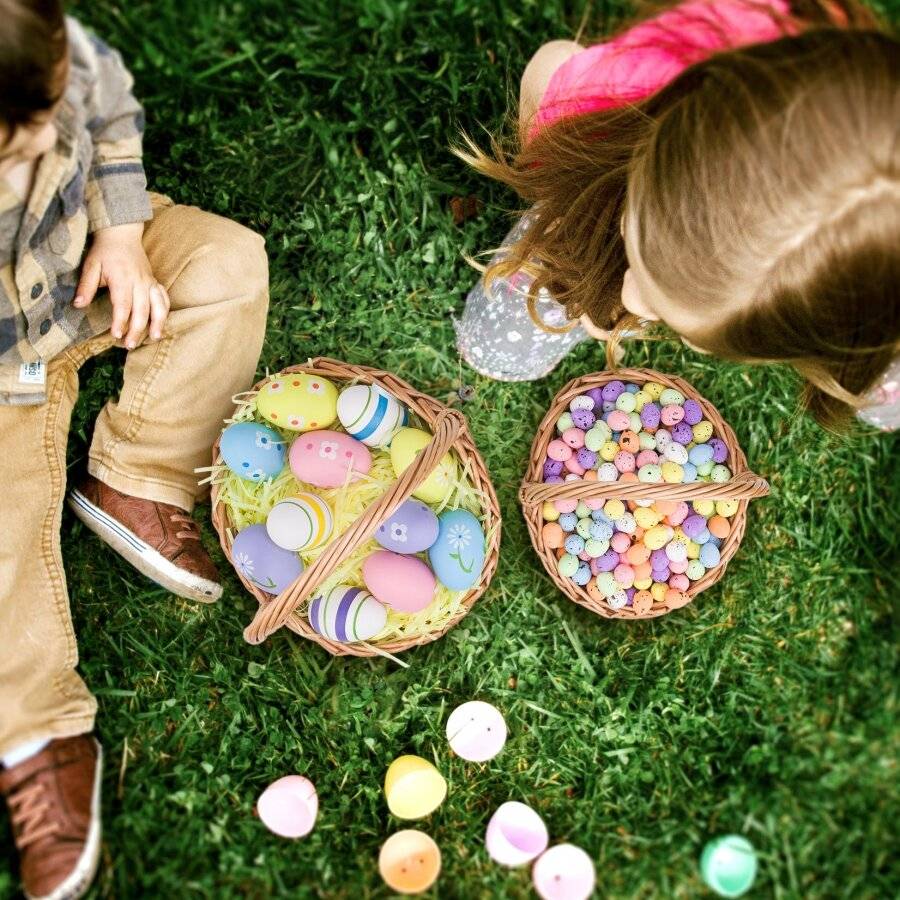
(147, 443)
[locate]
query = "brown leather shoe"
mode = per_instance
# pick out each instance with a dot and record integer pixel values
(54, 803)
(158, 539)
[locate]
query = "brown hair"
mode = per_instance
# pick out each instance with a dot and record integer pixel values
(32, 45)
(765, 187)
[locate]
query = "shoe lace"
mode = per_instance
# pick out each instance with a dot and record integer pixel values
(28, 810)
(189, 531)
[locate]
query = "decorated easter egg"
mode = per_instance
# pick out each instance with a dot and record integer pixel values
(327, 458)
(301, 522)
(404, 583)
(406, 445)
(347, 614)
(252, 450)
(410, 529)
(457, 555)
(298, 401)
(370, 414)
(260, 560)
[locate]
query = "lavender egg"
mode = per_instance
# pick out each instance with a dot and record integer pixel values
(412, 528)
(552, 467)
(260, 560)
(583, 419)
(650, 415)
(693, 413)
(682, 433)
(587, 459)
(596, 394)
(612, 389)
(719, 449)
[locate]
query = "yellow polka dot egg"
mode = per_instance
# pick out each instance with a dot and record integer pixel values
(298, 402)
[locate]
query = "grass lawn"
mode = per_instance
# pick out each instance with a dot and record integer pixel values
(768, 707)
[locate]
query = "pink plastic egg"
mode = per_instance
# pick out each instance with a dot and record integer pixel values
(289, 806)
(679, 514)
(678, 566)
(572, 465)
(565, 505)
(326, 458)
(647, 458)
(624, 575)
(404, 583)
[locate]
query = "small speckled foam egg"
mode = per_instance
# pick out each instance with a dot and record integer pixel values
(298, 401)
(253, 451)
(370, 414)
(671, 397)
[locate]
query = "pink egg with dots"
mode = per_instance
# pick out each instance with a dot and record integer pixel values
(618, 420)
(559, 450)
(566, 505)
(620, 542)
(624, 461)
(678, 565)
(328, 459)
(679, 514)
(594, 502)
(574, 438)
(572, 465)
(680, 582)
(624, 575)
(671, 415)
(647, 458)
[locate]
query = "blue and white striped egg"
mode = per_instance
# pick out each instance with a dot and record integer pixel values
(347, 614)
(370, 414)
(253, 451)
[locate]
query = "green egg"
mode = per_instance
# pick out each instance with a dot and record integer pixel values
(583, 528)
(625, 402)
(634, 422)
(695, 570)
(606, 584)
(568, 565)
(705, 469)
(595, 549)
(596, 437)
(564, 422)
(671, 397)
(720, 474)
(583, 511)
(648, 442)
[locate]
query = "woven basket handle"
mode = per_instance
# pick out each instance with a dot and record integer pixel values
(743, 486)
(448, 426)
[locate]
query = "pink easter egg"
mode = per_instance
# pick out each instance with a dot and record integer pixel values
(647, 458)
(679, 514)
(624, 575)
(680, 582)
(573, 437)
(564, 872)
(618, 420)
(565, 505)
(325, 458)
(624, 461)
(403, 583)
(559, 450)
(289, 806)
(620, 542)
(572, 465)
(594, 502)
(678, 566)
(671, 415)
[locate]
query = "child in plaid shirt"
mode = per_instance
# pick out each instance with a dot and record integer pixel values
(89, 260)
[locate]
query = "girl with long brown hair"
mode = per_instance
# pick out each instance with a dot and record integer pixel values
(730, 169)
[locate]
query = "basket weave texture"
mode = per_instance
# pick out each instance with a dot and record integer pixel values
(450, 433)
(743, 486)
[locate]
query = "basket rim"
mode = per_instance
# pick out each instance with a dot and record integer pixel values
(532, 512)
(428, 409)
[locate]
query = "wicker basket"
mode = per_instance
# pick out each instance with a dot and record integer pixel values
(450, 431)
(743, 487)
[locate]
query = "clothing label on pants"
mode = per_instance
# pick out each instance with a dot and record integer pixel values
(32, 373)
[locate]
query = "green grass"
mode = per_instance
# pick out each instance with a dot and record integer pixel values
(767, 708)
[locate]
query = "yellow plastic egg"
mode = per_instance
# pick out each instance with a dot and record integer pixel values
(658, 591)
(672, 473)
(549, 512)
(704, 508)
(406, 445)
(297, 401)
(657, 536)
(702, 431)
(726, 508)
(693, 550)
(615, 509)
(608, 451)
(646, 517)
(653, 389)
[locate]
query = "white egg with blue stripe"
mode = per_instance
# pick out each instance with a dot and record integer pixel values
(370, 414)
(347, 614)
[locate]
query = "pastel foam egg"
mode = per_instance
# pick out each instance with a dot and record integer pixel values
(347, 614)
(413, 528)
(413, 787)
(301, 522)
(370, 414)
(260, 560)
(403, 583)
(298, 401)
(457, 555)
(409, 862)
(328, 459)
(252, 451)
(289, 806)
(476, 731)
(516, 834)
(406, 445)
(564, 872)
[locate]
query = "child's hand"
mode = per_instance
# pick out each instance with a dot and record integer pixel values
(117, 261)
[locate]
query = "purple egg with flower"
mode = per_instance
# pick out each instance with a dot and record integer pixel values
(411, 528)
(261, 561)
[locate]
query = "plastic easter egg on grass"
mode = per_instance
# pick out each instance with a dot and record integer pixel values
(412, 528)
(289, 806)
(409, 862)
(516, 834)
(476, 731)
(298, 401)
(564, 872)
(728, 865)
(406, 445)
(251, 450)
(260, 560)
(327, 458)
(347, 614)
(370, 414)
(404, 583)
(413, 787)
(457, 556)
(301, 522)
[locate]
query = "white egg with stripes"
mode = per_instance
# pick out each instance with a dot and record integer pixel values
(347, 614)
(370, 414)
(299, 523)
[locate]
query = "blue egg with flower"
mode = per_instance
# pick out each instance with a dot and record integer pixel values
(252, 451)
(457, 556)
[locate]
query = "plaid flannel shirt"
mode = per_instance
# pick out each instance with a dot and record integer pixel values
(93, 178)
